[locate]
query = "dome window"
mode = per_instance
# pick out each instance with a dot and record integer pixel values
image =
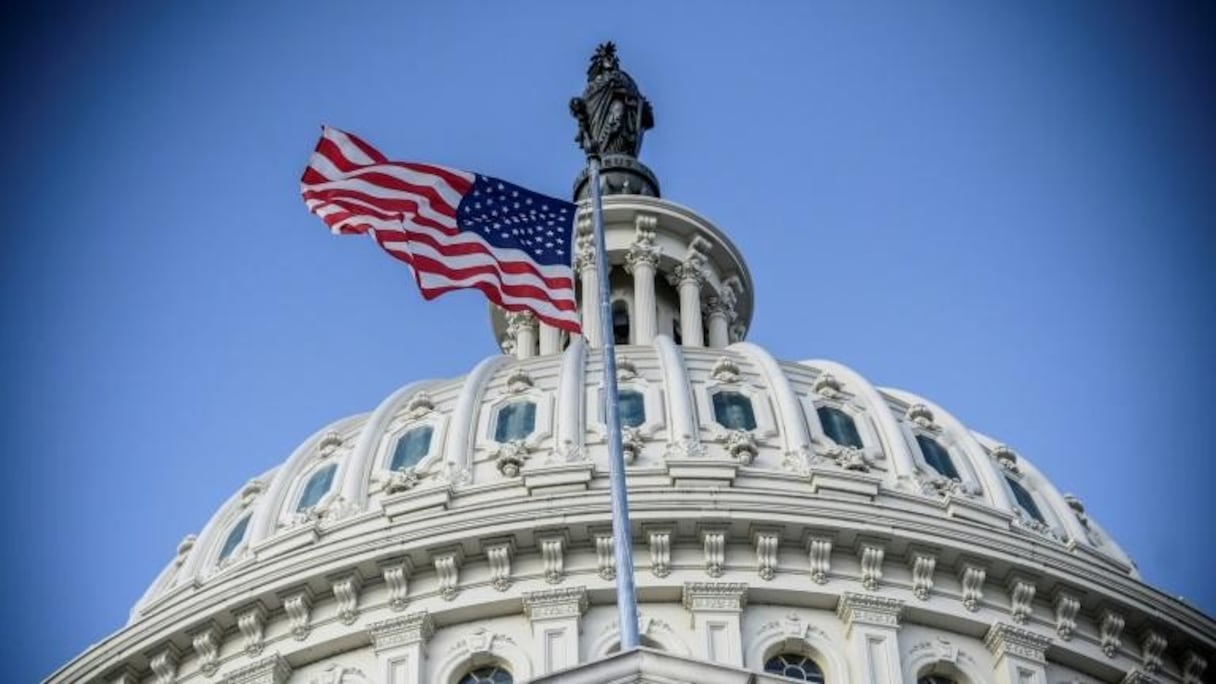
(235, 537)
(632, 408)
(491, 674)
(937, 457)
(795, 666)
(734, 411)
(412, 447)
(839, 426)
(936, 679)
(1025, 500)
(620, 322)
(317, 487)
(515, 421)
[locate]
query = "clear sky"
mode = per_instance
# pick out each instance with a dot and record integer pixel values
(1005, 207)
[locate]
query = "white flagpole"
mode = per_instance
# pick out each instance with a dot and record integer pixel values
(622, 539)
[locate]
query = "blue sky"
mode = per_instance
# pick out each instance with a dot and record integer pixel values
(1004, 207)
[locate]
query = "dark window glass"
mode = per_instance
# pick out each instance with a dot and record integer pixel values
(411, 448)
(620, 322)
(1025, 500)
(795, 666)
(235, 537)
(632, 408)
(515, 421)
(734, 411)
(675, 332)
(492, 674)
(936, 679)
(317, 487)
(937, 457)
(839, 426)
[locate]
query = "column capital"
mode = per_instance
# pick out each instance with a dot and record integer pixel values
(270, 670)
(517, 320)
(567, 602)
(1006, 639)
(869, 609)
(728, 597)
(720, 306)
(406, 630)
(643, 251)
(691, 270)
(584, 252)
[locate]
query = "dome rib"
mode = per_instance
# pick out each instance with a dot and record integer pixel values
(682, 421)
(570, 434)
(458, 451)
(794, 433)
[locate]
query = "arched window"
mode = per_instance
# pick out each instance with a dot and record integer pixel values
(937, 457)
(620, 322)
(1025, 500)
(839, 426)
(317, 487)
(936, 679)
(411, 448)
(734, 411)
(235, 537)
(488, 674)
(632, 408)
(675, 332)
(795, 666)
(516, 420)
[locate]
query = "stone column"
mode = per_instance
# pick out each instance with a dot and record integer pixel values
(687, 277)
(521, 325)
(555, 616)
(1019, 655)
(584, 264)
(550, 339)
(641, 260)
(716, 609)
(718, 315)
(871, 623)
(400, 647)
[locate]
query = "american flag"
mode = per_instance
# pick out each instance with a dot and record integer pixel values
(456, 229)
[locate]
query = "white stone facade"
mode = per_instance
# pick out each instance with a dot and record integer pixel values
(747, 542)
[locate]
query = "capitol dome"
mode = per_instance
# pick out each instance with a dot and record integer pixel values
(790, 522)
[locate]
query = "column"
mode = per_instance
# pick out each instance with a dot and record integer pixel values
(521, 325)
(400, 647)
(1020, 655)
(871, 623)
(555, 616)
(550, 339)
(641, 260)
(584, 264)
(719, 322)
(716, 609)
(687, 277)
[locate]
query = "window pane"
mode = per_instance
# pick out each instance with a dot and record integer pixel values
(515, 421)
(935, 679)
(1025, 500)
(235, 537)
(937, 457)
(411, 448)
(487, 675)
(632, 407)
(620, 323)
(795, 666)
(317, 487)
(734, 411)
(839, 426)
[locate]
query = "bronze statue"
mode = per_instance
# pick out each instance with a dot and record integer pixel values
(612, 113)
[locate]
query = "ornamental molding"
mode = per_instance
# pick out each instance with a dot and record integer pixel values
(163, 662)
(644, 251)
(719, 306)
(329, 444)
(398, 481)
(519, 381)
(870, 555)
(251, 621)
(605, 555)
(550, 604)
(1005, 639)
(510, 457)
(725, 371)
(766, 542)
(827, 386)
(631, 444)
(419, 405)
(792, 627)
(868, 609)
(553, 555)
(206, 641)
(1138, 676)
(939, 650)
(250, 492)
(847, 458)
(584, 252)
(819, 550)
(626, 370)
(741, 445)
(336, 673)
(659, 539)
(447, 564)
(922, 564)
(1192, 668)
(713, 542)
(1006, 458)
(1021, 598)
(723, 597)
(270, 670)
(922, 416)
(406, 630)
(1066, 608)
(297, 604)
(346, 587)
(1151, 647)
(184, 547)
(684, 447)
(396, 574)
(972, 577)
(482, 641)
(1110, 629)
